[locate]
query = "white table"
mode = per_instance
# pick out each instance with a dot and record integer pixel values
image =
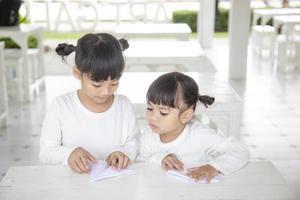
(289, 21)
(267, 14)
(3, 92)
(225, 112)
(179, 53)
(256, 181)
(20, 35)
(179, 31)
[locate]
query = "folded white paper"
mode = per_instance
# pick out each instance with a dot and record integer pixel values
(182, 175)
(100, 171)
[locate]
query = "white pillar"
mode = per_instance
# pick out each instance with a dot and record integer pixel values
(239, 28)
(206, 23)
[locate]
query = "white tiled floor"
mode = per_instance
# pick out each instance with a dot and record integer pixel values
(270, 124)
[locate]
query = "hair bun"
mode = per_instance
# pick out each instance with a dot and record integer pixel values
(124, 44)
(65, 49)
(206, 100)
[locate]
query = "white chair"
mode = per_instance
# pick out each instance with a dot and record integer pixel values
(288, 52)
(14, 73)
(264, 40)
(297, 53)
(3, 91)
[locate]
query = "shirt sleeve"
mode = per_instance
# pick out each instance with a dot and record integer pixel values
(227, 155)
(130, 134)
(51, 149)
(149, 151)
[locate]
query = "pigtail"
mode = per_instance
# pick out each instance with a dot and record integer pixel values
(124, 44)
(206, 100)
(65, 49)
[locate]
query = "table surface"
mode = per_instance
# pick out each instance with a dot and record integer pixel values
(287, 19)
(277, 11)
(257, 180)
(135, 85)
(162, 28)
(161, 49)
(22, 28)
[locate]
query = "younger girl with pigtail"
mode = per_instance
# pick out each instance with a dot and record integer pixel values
(175, 140)
(92, 122)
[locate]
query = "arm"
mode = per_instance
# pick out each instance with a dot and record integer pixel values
(51, 149)
(148, 151)
(130, 135)
(228, 155)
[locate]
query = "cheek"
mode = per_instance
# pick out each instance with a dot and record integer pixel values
(114, 88)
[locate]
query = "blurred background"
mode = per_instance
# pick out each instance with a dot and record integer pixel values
(249, 51)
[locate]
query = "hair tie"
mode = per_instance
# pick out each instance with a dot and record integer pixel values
(124, 44)
(206, 100)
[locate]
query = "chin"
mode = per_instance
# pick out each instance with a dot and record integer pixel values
(100, 101)
(156, 131)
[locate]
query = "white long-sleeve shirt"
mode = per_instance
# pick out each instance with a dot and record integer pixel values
(68, 125)
(197, 145)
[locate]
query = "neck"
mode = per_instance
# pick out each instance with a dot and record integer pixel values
(171, 136)
(92, 106)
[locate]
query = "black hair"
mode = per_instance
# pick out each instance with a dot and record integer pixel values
(98, 55)
(171, 88)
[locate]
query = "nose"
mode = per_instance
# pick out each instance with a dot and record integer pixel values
(152, 116)
(105, 91)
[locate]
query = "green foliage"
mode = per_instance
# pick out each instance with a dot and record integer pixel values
(186, 16)
(221, 20)
(9, 43)
(190, 17)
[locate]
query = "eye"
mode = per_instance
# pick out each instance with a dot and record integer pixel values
(115, 83)
(97, 86)
(149, 109)
(163, 113)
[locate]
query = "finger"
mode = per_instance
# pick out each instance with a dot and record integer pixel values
(91, 158)
(177, 164)
(193, 169)
(209, 178)
(80, 165)
(169, 165)
(108, 161)
(125, 163)
(120, 161)
(174, 164)
(86, 163)
(194, 174)
(164, 165)
(201, 177)
(75, 167)
(114, 162)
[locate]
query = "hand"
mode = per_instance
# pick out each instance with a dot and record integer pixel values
(80, 159)
(207, 172)
(170, 162)
(118, 160)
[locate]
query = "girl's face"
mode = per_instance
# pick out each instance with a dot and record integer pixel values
(164, 119)
(99, 92)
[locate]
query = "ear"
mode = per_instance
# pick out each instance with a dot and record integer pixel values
(76, 72)
(186, 116)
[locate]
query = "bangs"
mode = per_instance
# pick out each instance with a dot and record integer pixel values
(163, 93)
(109, 62)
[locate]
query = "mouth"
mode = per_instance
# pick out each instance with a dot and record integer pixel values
(152, 126)
(102, 97)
